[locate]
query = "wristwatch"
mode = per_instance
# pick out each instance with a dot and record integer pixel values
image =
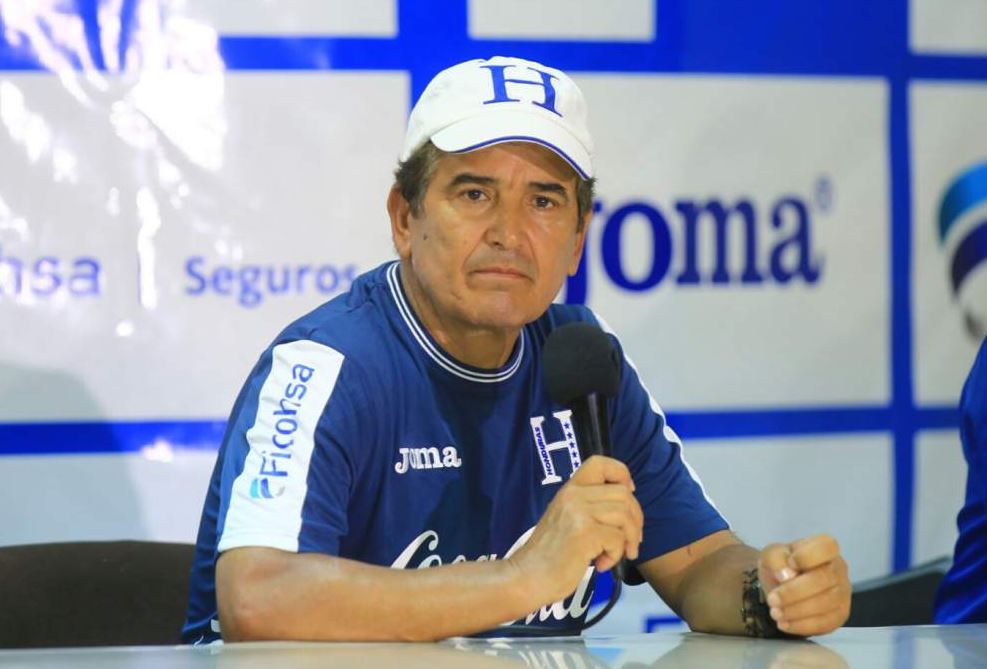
(755, 612)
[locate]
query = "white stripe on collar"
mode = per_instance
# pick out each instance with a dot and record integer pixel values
(437, 354)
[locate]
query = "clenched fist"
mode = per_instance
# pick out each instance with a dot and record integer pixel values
(806, 584)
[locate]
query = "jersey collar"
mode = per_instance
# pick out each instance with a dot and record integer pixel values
(435, 352)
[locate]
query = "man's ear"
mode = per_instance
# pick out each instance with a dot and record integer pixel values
(399, 210)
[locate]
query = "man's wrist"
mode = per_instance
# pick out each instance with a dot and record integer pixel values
(754, 610)
(521, 588)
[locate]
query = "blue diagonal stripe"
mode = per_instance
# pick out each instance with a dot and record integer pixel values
(969, 190)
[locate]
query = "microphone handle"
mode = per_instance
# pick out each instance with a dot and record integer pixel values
(592, 427)
(589, 420)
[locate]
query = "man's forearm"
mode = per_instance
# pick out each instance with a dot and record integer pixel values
(717, 584)
(712, 591)
(270, 594)
(264, 593)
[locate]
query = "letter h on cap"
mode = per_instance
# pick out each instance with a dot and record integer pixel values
(500, 81)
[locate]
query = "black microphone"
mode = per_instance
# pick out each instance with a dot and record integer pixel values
(582, 369)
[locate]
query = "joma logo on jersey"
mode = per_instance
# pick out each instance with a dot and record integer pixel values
(545, 448)
(427, 458)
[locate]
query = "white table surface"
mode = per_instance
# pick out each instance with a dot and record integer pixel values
(924, 647)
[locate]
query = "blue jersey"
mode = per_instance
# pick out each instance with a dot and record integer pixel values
(357, 436)
(962, 596)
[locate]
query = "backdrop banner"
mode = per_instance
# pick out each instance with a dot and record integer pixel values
(790, 237)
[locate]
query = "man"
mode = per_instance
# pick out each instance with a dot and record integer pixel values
(962, 596)
(406, 424)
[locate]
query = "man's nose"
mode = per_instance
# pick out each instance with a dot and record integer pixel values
(506, 225)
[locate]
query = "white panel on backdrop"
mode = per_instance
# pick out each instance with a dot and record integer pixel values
(940, 483)
(155, 238)
(948, 143)
(376, 18)
(156, 495)
(795, 311)
(948, 26)
(784, 488)
(629, 20)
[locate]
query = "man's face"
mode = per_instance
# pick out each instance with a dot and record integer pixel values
(495, 237)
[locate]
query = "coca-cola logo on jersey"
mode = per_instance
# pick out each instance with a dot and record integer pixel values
(422, 553)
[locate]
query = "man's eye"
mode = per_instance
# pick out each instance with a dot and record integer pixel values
(474, 194)
(543, 202)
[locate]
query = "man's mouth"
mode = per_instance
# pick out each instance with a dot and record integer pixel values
(501, 272)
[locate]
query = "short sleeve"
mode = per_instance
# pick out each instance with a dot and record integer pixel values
(677, 510)
(286, 474)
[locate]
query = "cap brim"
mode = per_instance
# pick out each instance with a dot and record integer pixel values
(499, 126)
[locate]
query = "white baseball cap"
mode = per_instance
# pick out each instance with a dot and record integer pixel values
(484, 102)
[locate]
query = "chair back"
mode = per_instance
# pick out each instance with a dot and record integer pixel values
(905, 598)
(112, 593)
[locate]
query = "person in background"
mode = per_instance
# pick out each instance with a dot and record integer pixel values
(962, 595)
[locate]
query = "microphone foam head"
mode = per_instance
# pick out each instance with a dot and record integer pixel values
(580, 359)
